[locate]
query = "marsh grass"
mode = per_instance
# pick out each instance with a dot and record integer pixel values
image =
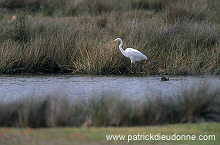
(74, 45)
(201, 108)
(178, 37)
(192, 105)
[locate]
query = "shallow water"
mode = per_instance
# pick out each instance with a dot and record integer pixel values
(82, 87)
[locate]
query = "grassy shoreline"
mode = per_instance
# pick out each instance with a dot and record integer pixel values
(96, 136)
(176, 37)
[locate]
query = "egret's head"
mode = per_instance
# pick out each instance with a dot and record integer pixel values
(117, 39)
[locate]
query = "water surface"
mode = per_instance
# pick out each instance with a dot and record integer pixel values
(83, 87)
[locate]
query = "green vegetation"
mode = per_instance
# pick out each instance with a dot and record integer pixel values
(97, 136)
(197, 105)
(178, 36)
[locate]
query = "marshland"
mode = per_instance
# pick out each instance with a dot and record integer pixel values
(51, 36)
(59, 69)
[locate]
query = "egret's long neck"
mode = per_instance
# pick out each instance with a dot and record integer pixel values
(122, 51)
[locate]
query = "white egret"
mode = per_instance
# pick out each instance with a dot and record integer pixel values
(131, 53)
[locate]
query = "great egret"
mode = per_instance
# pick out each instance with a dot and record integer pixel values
(131, 53)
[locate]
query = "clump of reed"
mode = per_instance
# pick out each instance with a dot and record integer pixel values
(192, 105)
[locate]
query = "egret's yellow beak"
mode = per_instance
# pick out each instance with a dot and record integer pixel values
(113, 41)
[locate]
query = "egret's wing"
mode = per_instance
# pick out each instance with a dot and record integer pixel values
(137, 55)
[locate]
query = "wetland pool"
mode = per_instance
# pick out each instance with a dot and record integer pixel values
(78, 87)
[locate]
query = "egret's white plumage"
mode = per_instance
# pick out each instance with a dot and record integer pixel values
(131, 53)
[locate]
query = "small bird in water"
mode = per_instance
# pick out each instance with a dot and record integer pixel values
(163, 78)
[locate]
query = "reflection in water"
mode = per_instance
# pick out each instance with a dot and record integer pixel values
(83, 87)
